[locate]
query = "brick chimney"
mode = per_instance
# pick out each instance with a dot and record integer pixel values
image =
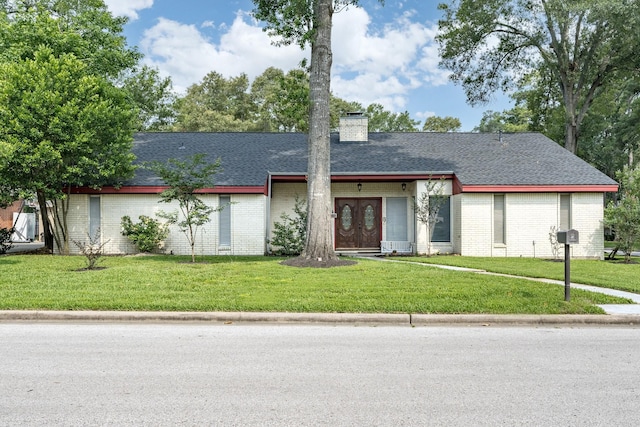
(354, 128)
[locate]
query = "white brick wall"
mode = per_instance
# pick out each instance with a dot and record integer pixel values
(475, 224)
(587, 218)
(529, 218)
(247, 224)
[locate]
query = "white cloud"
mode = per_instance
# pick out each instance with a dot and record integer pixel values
(184, 53)
(422, 115)
(382, 67)
(128, 8)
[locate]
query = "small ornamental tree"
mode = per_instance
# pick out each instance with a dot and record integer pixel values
(185, 178)
(93, 250)
(427, 206)
(623, 216)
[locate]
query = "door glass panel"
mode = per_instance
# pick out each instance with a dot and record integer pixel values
(369, 218)
(346, 217)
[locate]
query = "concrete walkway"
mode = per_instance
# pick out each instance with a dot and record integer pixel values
(623, 309)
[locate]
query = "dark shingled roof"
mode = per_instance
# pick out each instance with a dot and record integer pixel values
(475, 158)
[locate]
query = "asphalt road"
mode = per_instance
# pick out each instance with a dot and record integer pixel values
(198, 374)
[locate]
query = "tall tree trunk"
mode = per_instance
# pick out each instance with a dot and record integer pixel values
(319, 243)
(571, 137)
(46, 224)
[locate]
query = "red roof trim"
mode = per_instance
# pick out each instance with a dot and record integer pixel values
(537, 188)
(151, 189)
(363, 178)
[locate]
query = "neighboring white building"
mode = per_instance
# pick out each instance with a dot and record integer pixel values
(505, 192)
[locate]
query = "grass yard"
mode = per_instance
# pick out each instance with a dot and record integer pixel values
(170, 283)
(608, 274)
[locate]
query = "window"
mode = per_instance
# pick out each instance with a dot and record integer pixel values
(94, 216)
(442, 229)
(565, 212)
(499, 219)
(224, 223)
(396, 219)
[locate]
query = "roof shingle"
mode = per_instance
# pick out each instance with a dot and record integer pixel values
(475, 158)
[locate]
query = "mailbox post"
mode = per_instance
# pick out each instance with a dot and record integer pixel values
(569, 237)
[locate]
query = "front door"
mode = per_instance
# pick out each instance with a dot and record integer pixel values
(359, 224)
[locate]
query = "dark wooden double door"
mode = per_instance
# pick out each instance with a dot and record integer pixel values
(359, 223)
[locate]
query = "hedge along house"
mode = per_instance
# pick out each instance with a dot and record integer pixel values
(504, 192)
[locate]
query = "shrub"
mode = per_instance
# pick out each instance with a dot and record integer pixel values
(92, 250)
(5, 239)
(147, 234)
(289, 235)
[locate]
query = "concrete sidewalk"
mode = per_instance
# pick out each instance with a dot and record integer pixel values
(621, 309)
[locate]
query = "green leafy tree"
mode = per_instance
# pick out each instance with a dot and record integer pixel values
(441, 124)
(291, 102)
(153, 97)
(62, 123)
(216, 104)
(516, 119)
(381, 120)
(265, 91)
(338, 108)
(184, 178)
(308, 22)
(84, 28)
(623, 216)
(61, 127)
(583, 44)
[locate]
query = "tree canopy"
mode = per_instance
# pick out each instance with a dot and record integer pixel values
(441, 124)
(62, 121)
(153, 97)
(61, 126)
(584, 45)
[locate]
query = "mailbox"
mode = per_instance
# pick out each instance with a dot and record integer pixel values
(569, 237)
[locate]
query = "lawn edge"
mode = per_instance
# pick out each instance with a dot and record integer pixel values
(371, 319)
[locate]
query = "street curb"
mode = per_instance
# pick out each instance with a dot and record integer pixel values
(222, 317)
(369, 319)
(524, 319)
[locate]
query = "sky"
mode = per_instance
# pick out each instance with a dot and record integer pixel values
(381, 54)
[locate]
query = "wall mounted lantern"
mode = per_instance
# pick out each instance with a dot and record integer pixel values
(359, 186)
(404, 186)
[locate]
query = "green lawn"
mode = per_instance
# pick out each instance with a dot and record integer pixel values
(608, 274)
(263, 284)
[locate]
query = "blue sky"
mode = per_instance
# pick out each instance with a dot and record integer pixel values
(380, 54)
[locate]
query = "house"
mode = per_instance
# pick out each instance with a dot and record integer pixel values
(21, 217)
(504, 192)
